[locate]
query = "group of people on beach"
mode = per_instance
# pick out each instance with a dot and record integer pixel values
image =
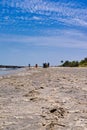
(45, 65)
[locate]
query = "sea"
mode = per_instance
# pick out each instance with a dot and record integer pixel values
(5, 71)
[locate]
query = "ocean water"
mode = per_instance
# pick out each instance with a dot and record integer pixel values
(4, 71)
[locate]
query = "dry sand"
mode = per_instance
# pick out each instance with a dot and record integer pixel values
(44, 99)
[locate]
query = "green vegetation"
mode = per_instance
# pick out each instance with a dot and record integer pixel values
(82, 63)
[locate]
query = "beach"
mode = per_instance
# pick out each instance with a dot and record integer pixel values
(53, 98)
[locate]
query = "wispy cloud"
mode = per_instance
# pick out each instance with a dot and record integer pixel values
(68, 13)
(71, 39)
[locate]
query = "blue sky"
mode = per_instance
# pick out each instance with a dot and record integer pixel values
(37, 31)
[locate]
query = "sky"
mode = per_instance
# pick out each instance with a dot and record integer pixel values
(37, 31)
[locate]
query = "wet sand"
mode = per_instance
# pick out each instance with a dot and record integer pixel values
(44, 99)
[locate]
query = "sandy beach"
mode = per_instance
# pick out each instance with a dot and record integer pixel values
(44, 99)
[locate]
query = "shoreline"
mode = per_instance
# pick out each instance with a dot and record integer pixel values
(11, 71)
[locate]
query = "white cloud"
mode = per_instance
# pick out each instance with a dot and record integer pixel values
(69, 13)
(6, 17)
(71, 39)
(36, 18)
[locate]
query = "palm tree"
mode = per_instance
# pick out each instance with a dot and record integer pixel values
(61, 61)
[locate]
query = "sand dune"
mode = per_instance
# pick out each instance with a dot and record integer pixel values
(44, 99)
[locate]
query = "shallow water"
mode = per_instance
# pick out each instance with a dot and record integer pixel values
(4, 71)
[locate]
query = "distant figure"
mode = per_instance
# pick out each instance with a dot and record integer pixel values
(36, 65)
(46, 65)
(29, 65)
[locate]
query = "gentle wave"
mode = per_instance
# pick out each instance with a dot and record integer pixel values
(4, 71)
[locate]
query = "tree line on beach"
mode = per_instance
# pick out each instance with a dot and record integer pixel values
(67, 63)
